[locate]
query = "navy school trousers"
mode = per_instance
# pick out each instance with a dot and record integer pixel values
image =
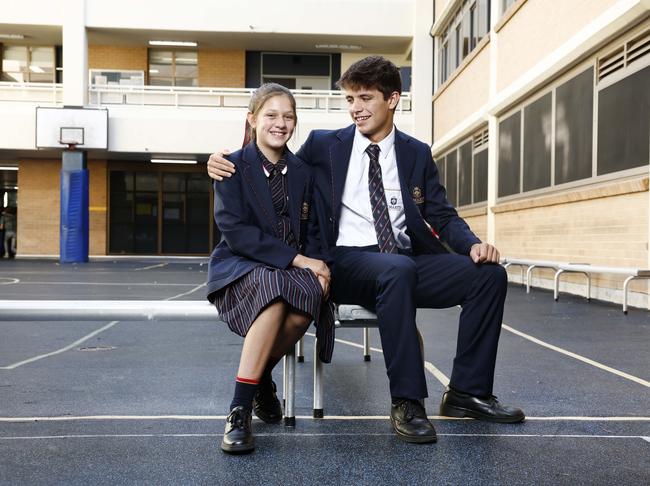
(395, 285)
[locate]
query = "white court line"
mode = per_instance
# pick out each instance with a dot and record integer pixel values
(591, 362)
(342, 418)
(187, 293)
(318, 434)
(62, 350)
(150, 267)
(440, 376)
(647, 439)
(12, 280)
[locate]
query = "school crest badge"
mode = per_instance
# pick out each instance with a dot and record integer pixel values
(418, 198)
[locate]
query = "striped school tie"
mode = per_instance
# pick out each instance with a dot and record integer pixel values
(383, 228)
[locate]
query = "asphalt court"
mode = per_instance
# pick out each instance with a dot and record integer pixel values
(121, 402)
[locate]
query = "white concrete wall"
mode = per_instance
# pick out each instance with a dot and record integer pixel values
(345, 17)
(171, 130)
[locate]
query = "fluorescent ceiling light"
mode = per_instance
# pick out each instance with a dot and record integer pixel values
(153, 71)
(173, 161)
(9, 167)
(12, 36)
(172, 43)
(338, 46)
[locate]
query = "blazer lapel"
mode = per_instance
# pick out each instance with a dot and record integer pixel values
(254, 175)
(405, 157)
(296, 182)
(339, 154)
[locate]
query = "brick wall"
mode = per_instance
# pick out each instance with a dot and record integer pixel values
(606, 225)
(222, 68)
(117, 57)
(38, 207)
(39, 203)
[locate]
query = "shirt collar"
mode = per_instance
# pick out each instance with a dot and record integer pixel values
(361, 143)
(266, 161)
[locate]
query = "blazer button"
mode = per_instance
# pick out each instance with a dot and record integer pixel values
(331, 219)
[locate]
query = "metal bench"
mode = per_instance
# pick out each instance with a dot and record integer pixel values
(135, 310)
(587, 270)
(530, 266)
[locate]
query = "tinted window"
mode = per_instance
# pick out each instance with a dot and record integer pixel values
(465, 174)
(509, 155)
(624, 123)
(537, 143)
(452, 178)
(480, 176)
(574, 106)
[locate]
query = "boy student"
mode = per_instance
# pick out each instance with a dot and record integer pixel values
(379, 198)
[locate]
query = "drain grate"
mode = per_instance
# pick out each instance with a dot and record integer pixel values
(97, 348)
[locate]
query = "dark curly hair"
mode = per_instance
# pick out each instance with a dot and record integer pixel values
(372, 72)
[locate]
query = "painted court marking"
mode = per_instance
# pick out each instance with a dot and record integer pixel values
(160, 265)
(342, 418)
(319, 434)
(62, 350)
(588, 361)
(187, 293)
(440, 376)
(8, 280)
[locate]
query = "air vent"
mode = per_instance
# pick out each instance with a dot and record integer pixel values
(639, 47)
(623, 56)
(481, 139)
(615, 61)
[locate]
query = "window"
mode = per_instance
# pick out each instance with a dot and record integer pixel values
(509, 155)
(469, 24)
(24, 64)
(505, 5)
(574, 108)
(624, 123)
(441, 170)
(297, 71)
(480, 176)
(465, 174)
(537, 143)
(451, 175)
(173, 68)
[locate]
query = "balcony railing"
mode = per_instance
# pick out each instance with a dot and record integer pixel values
(32, 92)
(308, 100)
(316, 100)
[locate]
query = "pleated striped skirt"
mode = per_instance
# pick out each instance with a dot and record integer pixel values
(240, 303)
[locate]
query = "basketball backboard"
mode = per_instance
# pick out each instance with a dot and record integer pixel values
(86, 128)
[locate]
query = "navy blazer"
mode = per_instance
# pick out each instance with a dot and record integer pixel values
(243, 212)
(424, 198)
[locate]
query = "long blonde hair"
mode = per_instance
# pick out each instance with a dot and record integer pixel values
(260, 96)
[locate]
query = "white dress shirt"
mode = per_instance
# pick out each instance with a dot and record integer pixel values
(356, 225)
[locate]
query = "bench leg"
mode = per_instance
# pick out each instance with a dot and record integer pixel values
(289, 391)
(556, 285)
(529, 278)
(301, 350)
(318, 384)
(366, 344)
(588, 286)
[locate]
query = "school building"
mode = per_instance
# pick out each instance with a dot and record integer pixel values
(538, 112)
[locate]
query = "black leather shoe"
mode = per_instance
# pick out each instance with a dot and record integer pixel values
(411, 423)
(266, 404)
(458, 404)
(238, 437)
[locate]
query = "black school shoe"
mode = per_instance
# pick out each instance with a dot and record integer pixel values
(266, 404)
(238, 437)
(458, 404)
(411, 423)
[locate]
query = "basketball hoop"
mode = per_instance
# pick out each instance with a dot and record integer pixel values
(71, 136)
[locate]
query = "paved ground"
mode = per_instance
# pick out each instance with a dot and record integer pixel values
(144, 402)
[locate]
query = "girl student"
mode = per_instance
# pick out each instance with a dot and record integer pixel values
(264, 287)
